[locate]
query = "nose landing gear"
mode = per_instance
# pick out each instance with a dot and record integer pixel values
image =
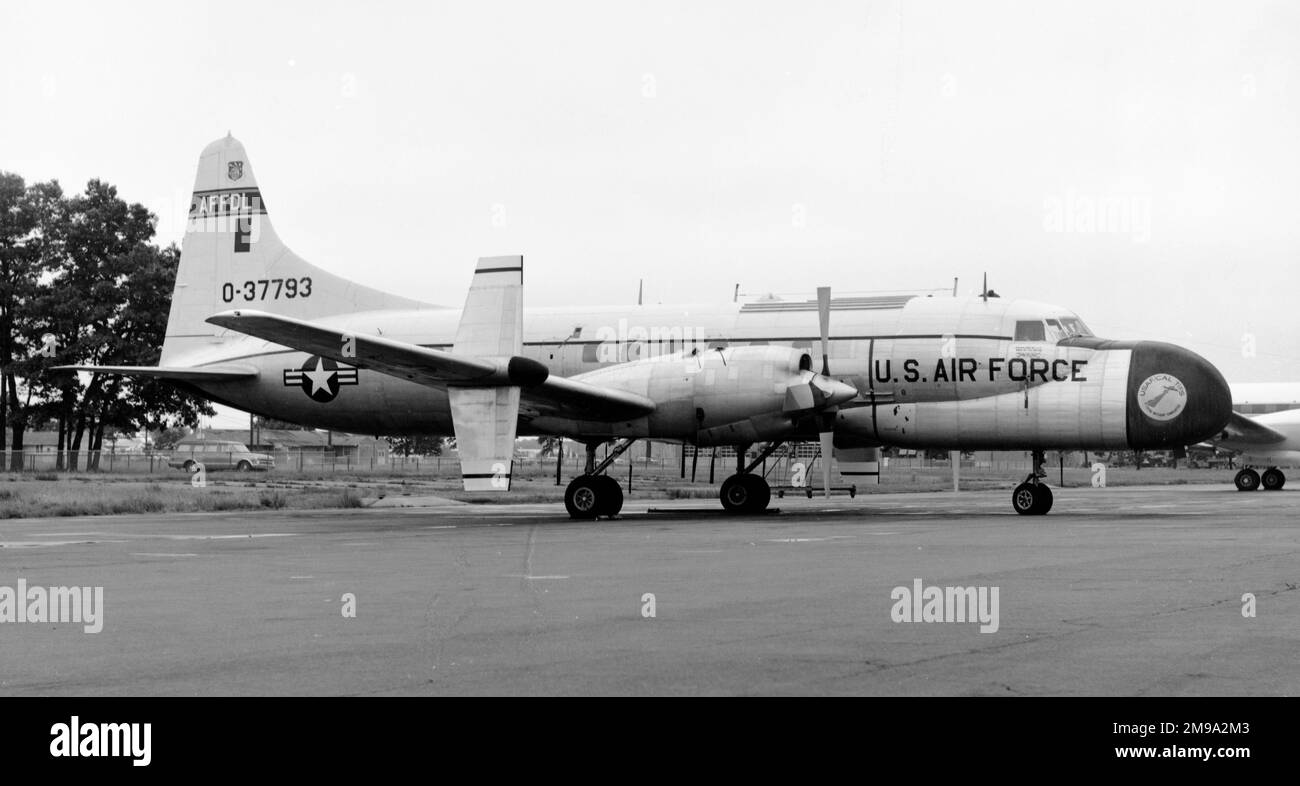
(1033, 497)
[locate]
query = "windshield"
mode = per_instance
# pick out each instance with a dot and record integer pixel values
(1073, 326)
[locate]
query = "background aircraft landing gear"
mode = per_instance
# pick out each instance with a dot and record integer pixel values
(1033, 497)
(1273, 479)
(591, 494)
(1246, 480)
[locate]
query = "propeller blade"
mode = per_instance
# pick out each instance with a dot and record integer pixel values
(824, 316)
(828, 449)
(834, 392)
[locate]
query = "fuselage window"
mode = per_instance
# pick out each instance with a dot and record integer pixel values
(1030, 331)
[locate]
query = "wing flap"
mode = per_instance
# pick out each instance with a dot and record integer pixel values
(485, 420)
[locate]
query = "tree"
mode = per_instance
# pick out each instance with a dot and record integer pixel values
(418, 445)
(169, 437)
(32, 220)
(282, 424)
(104, 298)
(137, 333)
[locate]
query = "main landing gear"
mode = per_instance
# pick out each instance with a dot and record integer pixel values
(1249, 480)
(1033, 497)
(746, 493)
(591, 494)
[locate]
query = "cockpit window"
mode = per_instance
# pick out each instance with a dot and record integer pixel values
(1030, 331)
(1073, 326)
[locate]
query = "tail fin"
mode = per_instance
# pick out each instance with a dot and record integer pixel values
(232, 257)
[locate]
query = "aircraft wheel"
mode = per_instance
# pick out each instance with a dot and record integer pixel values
(611, 496)
(760, 493)
(583, 497)
(1044, 499)
(1246, 480)
(742, 494)
(1273, 479)
(1031, 499)
(734, 494)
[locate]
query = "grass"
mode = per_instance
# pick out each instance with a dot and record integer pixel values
(39, 499)
(93, 494)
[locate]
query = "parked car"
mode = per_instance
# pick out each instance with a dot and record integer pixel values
(215, 455)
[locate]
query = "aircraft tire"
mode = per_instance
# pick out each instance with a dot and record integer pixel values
(1246, 480)
(760, 492)
(1031, 499)
(1044, 500)
(582, 498)
(611, 496)
(1273, 479)
(745, 494)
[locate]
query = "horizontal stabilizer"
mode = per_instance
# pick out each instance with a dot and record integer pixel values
(213, 373)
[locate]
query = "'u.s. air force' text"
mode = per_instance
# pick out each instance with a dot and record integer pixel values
(973, 370)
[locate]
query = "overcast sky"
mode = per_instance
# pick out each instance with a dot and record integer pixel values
(1133, 161)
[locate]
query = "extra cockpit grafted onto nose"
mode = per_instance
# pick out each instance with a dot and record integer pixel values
(1174, 396)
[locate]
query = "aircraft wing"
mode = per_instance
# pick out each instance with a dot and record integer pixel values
(541, 392)
(213, 373)
(1242, 429)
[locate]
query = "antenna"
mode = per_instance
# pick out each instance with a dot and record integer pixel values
(985, 293)
(640, 291)
(954, 286)
(735, 296)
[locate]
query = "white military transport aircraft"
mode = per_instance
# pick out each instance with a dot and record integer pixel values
(255, 327)
(1265, 431)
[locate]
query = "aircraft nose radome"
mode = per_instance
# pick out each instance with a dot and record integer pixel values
(1175, 397)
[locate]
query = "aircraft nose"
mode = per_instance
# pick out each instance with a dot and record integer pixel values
(1175, 397)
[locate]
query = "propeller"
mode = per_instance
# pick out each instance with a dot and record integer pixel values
(827, 434)
(819, 393)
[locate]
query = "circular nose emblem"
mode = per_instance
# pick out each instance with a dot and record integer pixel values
(1162, 397)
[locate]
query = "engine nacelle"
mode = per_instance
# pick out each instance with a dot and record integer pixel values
(726, 396)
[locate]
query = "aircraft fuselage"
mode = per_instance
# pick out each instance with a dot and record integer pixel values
(957, 373)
